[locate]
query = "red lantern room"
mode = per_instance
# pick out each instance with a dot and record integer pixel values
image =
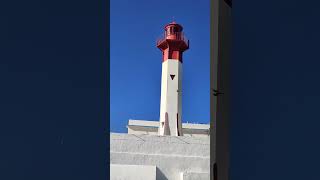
(173, 43)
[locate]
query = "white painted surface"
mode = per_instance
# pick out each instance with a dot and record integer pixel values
(151, 128)
(132, 172)
(172, 155)
(170, 102)
(195, 176)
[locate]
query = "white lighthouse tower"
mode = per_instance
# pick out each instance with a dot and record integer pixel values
(172, 45)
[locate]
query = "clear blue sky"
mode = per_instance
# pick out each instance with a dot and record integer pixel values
(135, 66)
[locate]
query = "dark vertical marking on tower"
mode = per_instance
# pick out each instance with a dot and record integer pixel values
(178, 124)
(166, 125)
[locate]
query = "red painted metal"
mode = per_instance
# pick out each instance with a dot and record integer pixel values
(173, 42)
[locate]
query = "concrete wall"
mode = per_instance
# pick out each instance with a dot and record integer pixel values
(195, 176)
(154, 131)
(146, 127)
(132, 172)
(171, 155)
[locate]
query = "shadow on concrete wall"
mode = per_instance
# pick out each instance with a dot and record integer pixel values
(160, 175)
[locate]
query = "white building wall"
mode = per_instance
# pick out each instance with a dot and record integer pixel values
(172, 155)
(151, 128)
(130, 172)
(195, 176)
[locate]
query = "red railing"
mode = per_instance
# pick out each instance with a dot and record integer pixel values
(178, 36)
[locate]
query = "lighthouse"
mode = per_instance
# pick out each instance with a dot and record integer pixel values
(172, 44)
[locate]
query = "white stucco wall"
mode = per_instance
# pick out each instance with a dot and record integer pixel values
(130, 172)
(170, 154)
(195, 176)
(149, 127)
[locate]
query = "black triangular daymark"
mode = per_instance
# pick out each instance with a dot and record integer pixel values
(172, 76)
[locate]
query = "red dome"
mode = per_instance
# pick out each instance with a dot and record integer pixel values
(173, 23)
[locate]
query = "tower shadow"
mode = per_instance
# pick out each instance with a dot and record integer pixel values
(160, 175)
